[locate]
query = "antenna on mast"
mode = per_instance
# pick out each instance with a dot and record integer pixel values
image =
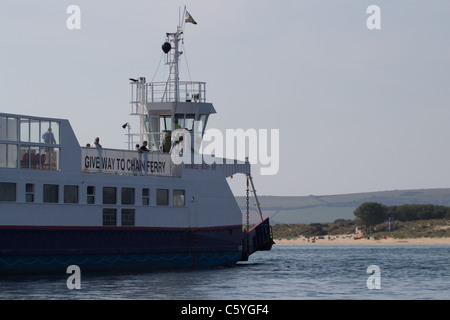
(171, 49)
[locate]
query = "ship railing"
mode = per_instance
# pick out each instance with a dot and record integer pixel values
(125, 162)
(157, 141)
(188, 91)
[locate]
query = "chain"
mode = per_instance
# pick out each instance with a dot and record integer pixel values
(248, 219)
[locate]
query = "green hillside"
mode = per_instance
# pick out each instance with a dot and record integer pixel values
(328, 208)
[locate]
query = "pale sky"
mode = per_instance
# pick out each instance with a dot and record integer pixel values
(358, 110)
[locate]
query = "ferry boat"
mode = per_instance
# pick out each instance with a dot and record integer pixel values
(63, 204)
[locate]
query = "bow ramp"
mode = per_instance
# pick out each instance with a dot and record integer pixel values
(258, 238)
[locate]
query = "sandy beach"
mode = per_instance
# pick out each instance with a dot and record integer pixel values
(352, 240)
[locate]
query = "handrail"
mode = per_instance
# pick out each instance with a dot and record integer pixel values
(188, 91)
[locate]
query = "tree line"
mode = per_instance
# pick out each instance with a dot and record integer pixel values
(373, 213)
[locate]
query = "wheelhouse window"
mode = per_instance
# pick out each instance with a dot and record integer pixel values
(184, 121)
(50, 193)
(189, 122)
(165, 123)
(201, 123)
(7, 191)
(109, 195)
(70, 194)
(178, 198)
(127, 195)
(162, 197)
(109, 217)
(179, 121)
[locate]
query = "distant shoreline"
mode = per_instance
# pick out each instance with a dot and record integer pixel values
(350, 240)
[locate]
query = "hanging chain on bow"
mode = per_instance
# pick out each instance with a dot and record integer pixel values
(248, 216)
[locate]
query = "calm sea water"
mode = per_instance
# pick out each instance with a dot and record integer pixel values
(286, 272)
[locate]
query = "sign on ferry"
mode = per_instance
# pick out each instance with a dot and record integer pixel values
(124, 162)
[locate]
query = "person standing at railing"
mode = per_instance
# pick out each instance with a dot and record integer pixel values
(96, 143)
(49, 155)
(144, 148)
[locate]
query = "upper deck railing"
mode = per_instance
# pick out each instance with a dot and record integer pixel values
(188, 91)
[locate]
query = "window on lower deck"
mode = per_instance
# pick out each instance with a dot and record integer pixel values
(50, 193)
(90, 194)
(127, 217)
(109, 217)
(145, 196)
(70, 194)
(7, 191)
(162, 197)
(178, 198)
(29, 192)
(127, 195)
(109, 195)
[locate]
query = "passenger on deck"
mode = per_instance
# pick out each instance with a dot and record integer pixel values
(96, 143)
(49, 137)
(144, 148)
(137, 147)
